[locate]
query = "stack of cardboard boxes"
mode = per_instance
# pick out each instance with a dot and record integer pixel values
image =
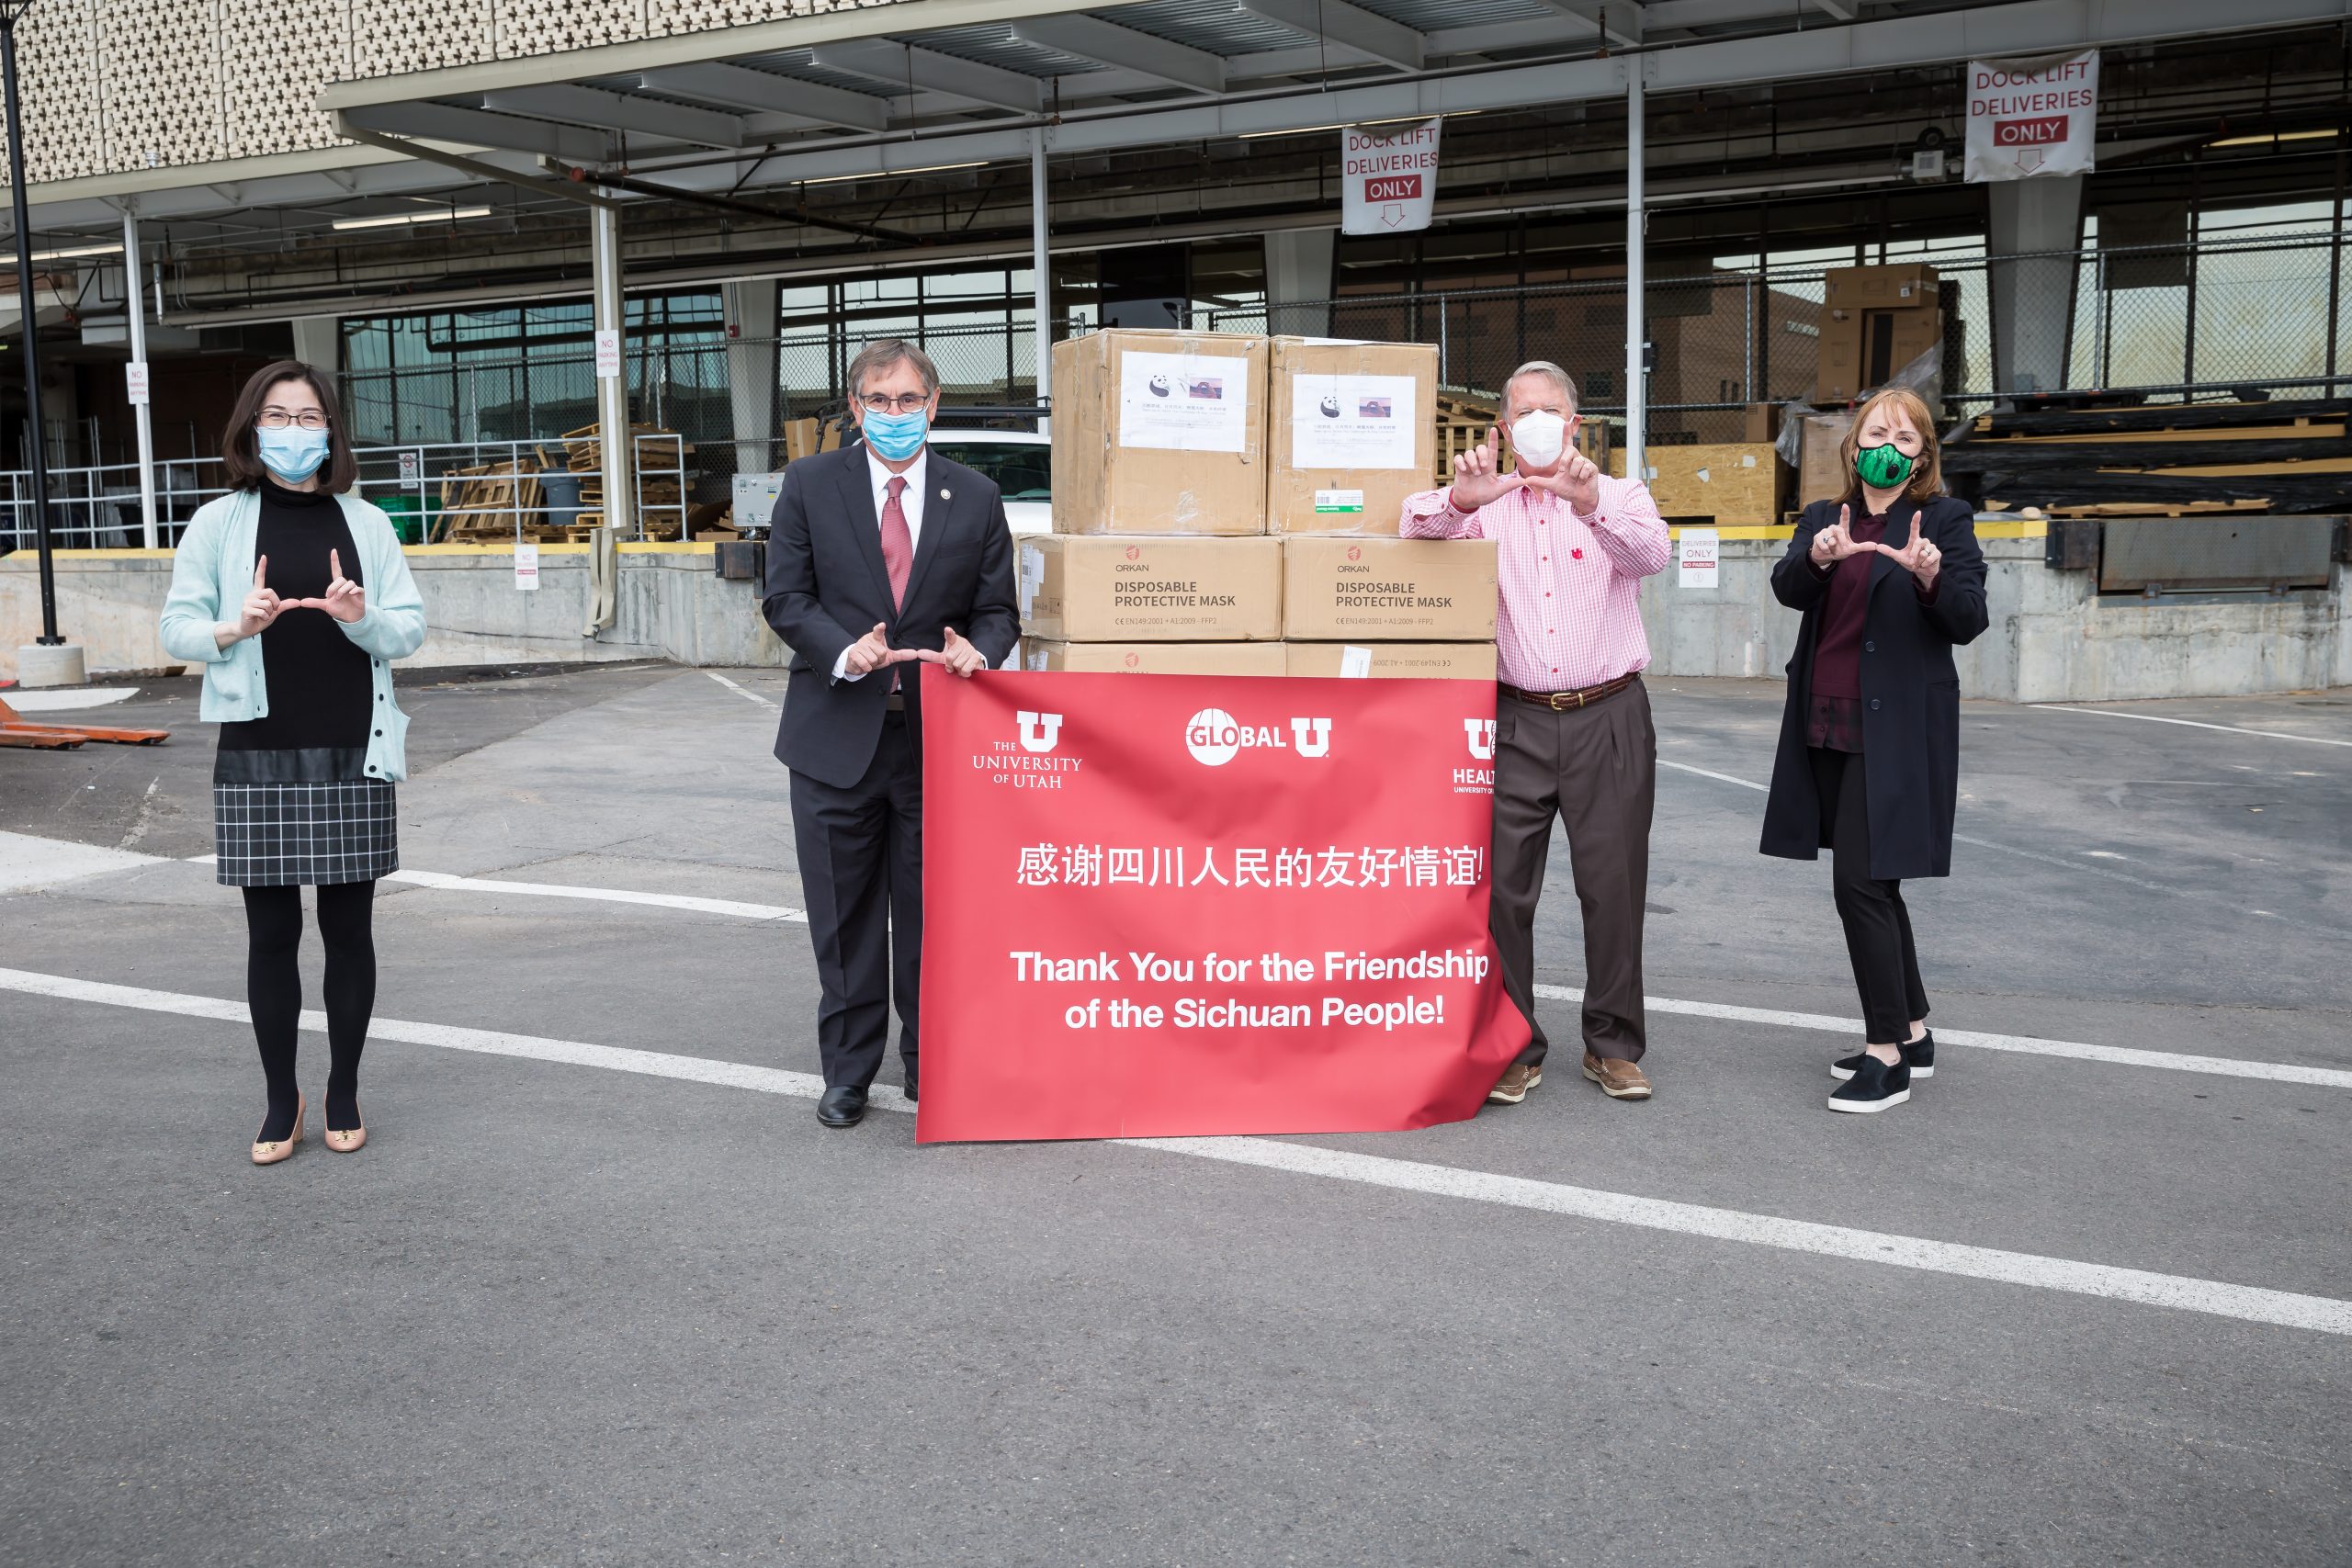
(1228, 505)
(1874, 321)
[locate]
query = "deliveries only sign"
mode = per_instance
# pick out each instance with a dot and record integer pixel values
(1390, 177)
(1162, 905)
(2031, 117)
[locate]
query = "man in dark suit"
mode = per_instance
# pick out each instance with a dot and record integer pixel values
(882, 555)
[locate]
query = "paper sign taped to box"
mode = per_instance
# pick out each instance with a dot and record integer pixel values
(1183, 403)
(1352, 422)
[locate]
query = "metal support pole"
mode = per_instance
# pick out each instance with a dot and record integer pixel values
(1041, 265)
(141, 414)
(1637, 388)
(616, 455)
(36, 460)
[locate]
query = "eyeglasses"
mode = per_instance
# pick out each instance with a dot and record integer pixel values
(279, 419)
(883, 402)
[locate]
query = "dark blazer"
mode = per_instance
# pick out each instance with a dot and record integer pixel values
(1910, 692)
(827, 587)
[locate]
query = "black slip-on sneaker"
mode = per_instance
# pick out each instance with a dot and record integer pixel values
(1875, 1087)
(1919, 1056)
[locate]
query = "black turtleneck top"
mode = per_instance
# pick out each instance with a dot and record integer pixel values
(318, 678)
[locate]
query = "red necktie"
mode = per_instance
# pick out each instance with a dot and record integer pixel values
(897, 544)
(898, 551)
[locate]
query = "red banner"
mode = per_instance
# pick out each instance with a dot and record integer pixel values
(1162, 905)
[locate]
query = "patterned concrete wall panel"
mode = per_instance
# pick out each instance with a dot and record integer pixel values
(389, 36)
(161, 82)
(274, 55)
(549, 27)
(57, 84)
(667, 17)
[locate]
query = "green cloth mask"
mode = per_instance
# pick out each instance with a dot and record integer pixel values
(1884, 468)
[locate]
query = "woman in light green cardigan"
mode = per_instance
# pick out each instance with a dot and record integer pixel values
(293, 596)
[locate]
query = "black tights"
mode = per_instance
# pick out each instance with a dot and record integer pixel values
(274, 992)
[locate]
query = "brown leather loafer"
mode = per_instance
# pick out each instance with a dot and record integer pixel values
(1512, 1087)
(1618, 1080)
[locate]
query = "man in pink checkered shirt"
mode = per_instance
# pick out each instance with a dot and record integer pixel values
(1573, 736)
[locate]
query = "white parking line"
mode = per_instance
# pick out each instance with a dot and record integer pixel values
(743, 691)
(449, 883)
(2178, 1062)
(2245, 1303)
(2191, 723)
(2059, 861)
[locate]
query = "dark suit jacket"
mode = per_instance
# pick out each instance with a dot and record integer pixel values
(1910, 692)
(827, 587)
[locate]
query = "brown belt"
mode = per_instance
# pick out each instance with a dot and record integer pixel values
(1560, 702)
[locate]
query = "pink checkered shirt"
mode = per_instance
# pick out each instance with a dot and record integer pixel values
(1571, 614)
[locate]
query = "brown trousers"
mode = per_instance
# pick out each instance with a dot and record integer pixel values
(1595, 769)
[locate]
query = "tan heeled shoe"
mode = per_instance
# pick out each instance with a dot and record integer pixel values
(283, 1148)
(346, 1143)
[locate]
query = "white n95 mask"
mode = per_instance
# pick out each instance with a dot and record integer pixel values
(1539, 438)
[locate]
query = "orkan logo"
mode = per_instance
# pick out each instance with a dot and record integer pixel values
(1135, 552)
(1355, 552)
(1215, 738)
(1039, 731)
(1481, 732)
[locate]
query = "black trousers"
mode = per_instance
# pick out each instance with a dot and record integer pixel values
(861, 873)
(1878, 927)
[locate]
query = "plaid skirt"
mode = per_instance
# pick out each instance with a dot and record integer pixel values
(270, 830)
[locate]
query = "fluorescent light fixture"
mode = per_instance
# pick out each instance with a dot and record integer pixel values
(410, 219)
(1357, 125)
(889, 174)
(77, 251)
(2268, 137)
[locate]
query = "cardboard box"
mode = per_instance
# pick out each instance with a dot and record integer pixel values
(1159, 432)
(1822, 476)
(1760, 422)
(1737, 484)
(1862, 350)
(1872, 288)
(1389, 590)
(1394, 661)
(1160, 590)
(1353, 432)
(1156, 657)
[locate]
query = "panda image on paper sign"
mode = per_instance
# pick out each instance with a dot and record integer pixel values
(1331, 405)
(1159, 387)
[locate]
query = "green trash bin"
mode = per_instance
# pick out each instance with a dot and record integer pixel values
(407, 513)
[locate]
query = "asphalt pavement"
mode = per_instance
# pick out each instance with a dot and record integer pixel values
(569, 1307)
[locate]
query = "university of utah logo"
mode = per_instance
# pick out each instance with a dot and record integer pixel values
(1039, 731)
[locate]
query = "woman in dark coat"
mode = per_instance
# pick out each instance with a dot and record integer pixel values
(1891, 580)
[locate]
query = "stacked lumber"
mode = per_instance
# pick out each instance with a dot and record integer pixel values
(2178, 460)
(494, 501)
(1463, 420)
(662, 474)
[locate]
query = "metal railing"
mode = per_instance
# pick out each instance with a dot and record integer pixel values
(98, 507)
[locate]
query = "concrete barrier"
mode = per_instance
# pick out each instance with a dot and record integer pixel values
(2054, 637)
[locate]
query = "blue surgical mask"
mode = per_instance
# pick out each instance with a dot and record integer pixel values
(896, 436)
(293, 454)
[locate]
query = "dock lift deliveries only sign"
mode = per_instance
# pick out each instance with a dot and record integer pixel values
(1390, 176)
(2031, 117)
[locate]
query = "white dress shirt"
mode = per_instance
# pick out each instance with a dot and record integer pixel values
(910, 502)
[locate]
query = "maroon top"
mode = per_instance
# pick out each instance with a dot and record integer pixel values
(1833, 717)
(1838, 647)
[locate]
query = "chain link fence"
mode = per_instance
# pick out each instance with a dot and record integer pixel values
(2172, 322)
